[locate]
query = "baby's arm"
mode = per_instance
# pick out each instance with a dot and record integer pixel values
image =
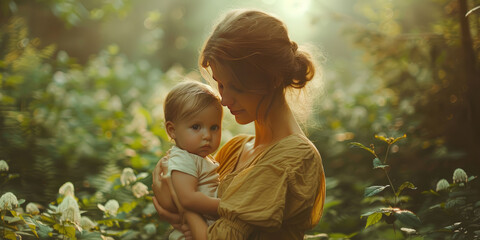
(162, 193)
(197, 225)
(192, 200)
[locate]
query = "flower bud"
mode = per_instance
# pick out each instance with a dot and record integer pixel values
(127, 177)
(150, 229)
(67, 189)
(442, 184)
(139, 189)
(459, 176)
(69, 209)
(3, 166)
(71, 214)
(110, 208)
(8, 201)
(32, 208)
(86, 223)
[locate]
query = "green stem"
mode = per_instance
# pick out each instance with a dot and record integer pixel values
(393, 188)
(3, 224)
(394, 231)
(386, 154)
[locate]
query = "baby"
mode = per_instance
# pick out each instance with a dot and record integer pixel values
(193, 119)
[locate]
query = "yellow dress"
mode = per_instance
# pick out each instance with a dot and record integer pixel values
(278, 195)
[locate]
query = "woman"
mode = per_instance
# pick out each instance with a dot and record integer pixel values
(272, 184)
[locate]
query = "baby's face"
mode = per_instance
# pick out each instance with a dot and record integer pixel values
(200, 134)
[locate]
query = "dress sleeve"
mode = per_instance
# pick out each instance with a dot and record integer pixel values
(254, 199)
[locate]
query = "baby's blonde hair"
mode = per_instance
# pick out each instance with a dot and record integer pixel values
(187, 99)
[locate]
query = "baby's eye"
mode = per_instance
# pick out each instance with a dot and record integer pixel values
(214, 127)
(195, 126)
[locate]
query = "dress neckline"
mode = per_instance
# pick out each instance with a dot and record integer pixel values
(259, 155)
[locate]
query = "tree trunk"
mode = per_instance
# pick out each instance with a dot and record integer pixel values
(471, 80)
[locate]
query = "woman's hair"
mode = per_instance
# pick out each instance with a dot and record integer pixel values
(254, 46)
(187, 99)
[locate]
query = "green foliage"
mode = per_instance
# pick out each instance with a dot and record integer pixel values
(84, 118)
(391, 213)
(456, 205)
(62, 121)
(134, 217)
(454, 211)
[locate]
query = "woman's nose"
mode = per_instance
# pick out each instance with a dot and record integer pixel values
(226, 100)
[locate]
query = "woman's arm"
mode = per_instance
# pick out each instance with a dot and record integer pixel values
(185, 186)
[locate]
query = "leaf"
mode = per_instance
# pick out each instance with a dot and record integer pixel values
(12, 219)
(33, 228)
(403, 186)
(10, 235)
(471, 178)
(381, 138)
(47, 218)
(374, 218)
(368, 213)
(431, 192)
(85, 235)
(69, 231)
(43, 231)
(357, 144)
(399, 138)
(377, 163)
(372, 190)
(408, 218)
(128, 207)
(390, 140)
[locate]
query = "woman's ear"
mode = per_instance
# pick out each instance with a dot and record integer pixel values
(170, 127)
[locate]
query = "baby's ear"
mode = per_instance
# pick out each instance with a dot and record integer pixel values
(170, 127)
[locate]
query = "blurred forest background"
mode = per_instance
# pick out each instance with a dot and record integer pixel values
(82, 87)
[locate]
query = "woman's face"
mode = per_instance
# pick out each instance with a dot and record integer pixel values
(241, 103)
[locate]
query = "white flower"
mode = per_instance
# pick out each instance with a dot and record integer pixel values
(442, 184)
(115, 103)
(142, 175)
(459, 176)
(408, 231)
(139, 190)
(3, 166)
(71, 214)
(32, 208)
(130, 152)
(107, 238)
(69, 209)
(86, 223)
(110, 208)
(150, 229)
(127, 176)
(8, 201)
(67, 189)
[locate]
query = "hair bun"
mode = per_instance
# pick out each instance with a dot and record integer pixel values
(304, 69)
(294, 46)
